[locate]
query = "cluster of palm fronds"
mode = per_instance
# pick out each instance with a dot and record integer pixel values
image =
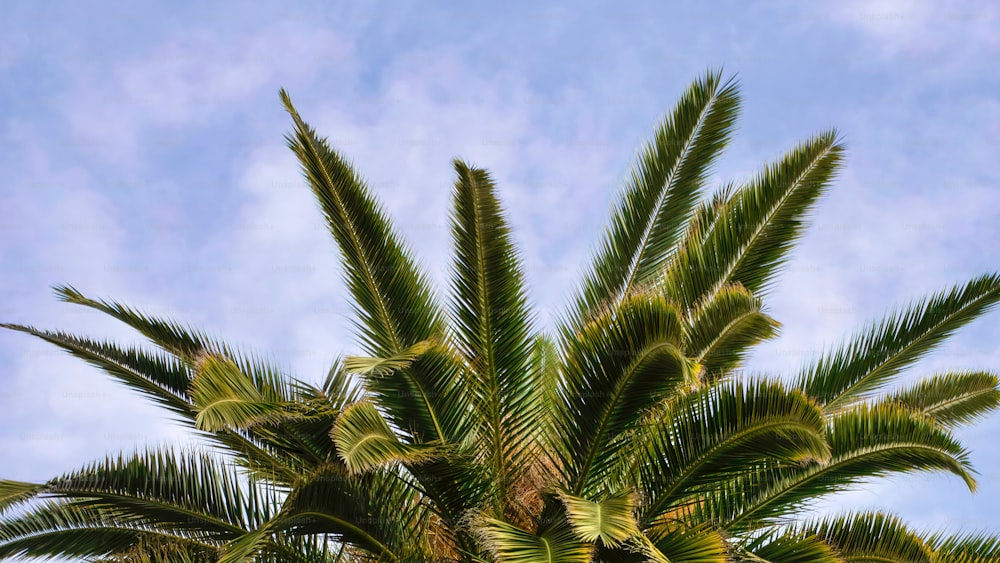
(466, 433)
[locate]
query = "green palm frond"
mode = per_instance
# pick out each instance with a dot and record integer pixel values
(965, 548)
(115, 506)
(166, 380)
(705, 215)
(870, 536)
(63, 530)
(511, 544)
(874, 355)
(710, 436)
(225, 397)
(790, 546)
(393, 300)
(661, 193)
(454, 481)
(186, 492)
(366, 442)
(381, 367)
(493, 326)
(866, 442)
(671, 541)
(173, 337)
(456, 484)
(16, 492)
(750, 236)
(159, 377)
(619, 364)
(338, 389)
(248, 547)
(304, 430)
(189, 346)
(378, 513)
(548, 369)
(609, 521)
(723, 329)
(952, 399)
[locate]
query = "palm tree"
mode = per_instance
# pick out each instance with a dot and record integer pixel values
(627, 432)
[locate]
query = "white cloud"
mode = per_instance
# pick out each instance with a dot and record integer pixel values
(951, 36)
(887, 18)
(115, 105)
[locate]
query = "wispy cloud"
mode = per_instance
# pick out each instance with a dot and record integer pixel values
(198, 78)
(952, 35)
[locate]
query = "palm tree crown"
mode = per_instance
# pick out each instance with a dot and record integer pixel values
(465, 432)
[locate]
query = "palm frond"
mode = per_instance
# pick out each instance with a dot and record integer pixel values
(379, 513)
(965, 548)
(870, 536)
(159, 377)
(952, 399)
(873, 356)
(724, 328)
(493, 326)
(676, 541)
(511, 544)
(173, 337)
(289, 424)
(381, 367)
(171, 491)
(548, 372)
(225, 397)
(166, 380)
(393, 300)
(660, 194)
(609, 521)
(62, 530)
(16, 492)
(366, 442)
(866, 442)
(749, 238)
(618, 365)
(187, 344)
(338, 389)
(713, 435)
(247, 548)
(790, 546)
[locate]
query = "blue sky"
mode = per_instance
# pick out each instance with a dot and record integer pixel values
(143, 160)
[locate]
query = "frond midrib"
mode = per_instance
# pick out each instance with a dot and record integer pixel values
(486, 330)
(661, 199)
(943, 405)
